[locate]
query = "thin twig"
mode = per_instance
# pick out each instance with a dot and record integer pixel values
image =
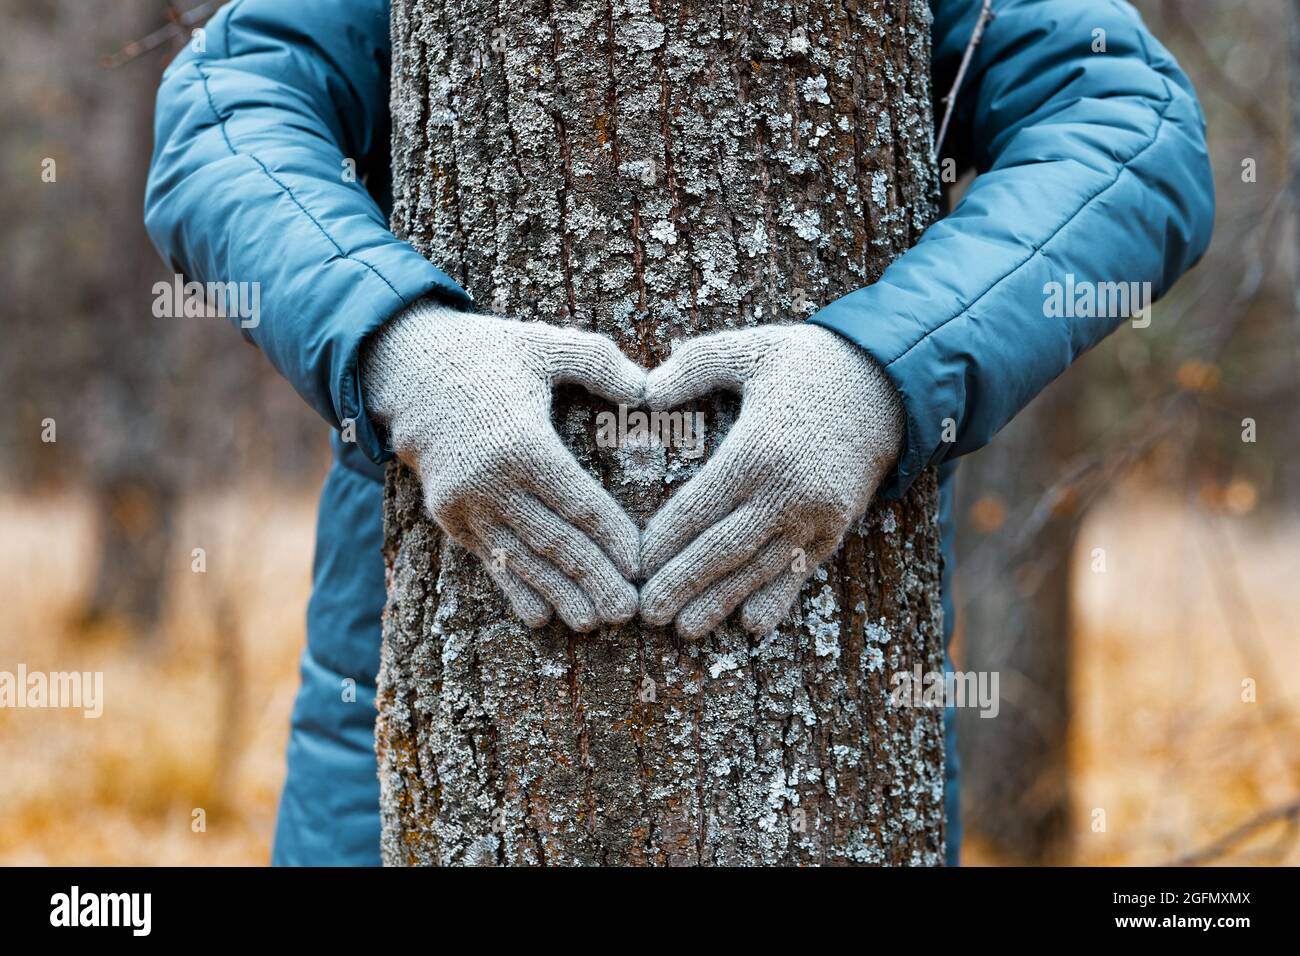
(1288, 811)
(985, 15)
(179, 23)
(1244, 101)
(1243, 627)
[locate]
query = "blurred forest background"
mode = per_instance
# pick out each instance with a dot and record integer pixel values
(1127, 561)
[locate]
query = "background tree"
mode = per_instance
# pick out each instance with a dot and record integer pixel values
(1015, 542)
(655, 171)
(83, 347)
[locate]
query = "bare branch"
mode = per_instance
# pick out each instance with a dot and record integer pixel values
(179, 24)
(1244, 101)
(950, 101)
(1289, 811)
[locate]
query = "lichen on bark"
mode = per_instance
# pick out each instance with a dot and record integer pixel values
(655, 171)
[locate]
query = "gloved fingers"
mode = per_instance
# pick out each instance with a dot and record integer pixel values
(764, 609)
(563, 594)
(706, 611)
(595, 362)
(701, 365)
(720, 549)
(565, 487)
(528, 606)
(702, 502)
(551, 537)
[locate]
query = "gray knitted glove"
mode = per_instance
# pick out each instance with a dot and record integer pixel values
(466, 400)
(819, 426)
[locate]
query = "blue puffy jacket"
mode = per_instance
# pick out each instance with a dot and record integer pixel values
(1090, 163)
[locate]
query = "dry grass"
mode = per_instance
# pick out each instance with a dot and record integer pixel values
(1192, 604)
(121, 789)
(1163, 742)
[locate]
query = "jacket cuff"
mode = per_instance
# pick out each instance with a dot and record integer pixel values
(401, 277)
(921, 430)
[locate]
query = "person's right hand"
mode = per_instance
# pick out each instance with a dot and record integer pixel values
(466, 400)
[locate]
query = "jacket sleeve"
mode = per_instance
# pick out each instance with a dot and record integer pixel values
(247, 185)
(1090, 164)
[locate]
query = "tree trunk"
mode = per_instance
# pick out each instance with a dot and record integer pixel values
(1289, 460)
(655, 171)
(1014, 616)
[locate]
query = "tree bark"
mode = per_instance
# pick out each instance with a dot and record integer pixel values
(1289, 462)
(654, 171)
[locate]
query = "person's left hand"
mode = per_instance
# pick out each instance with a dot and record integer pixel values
(820, 424)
